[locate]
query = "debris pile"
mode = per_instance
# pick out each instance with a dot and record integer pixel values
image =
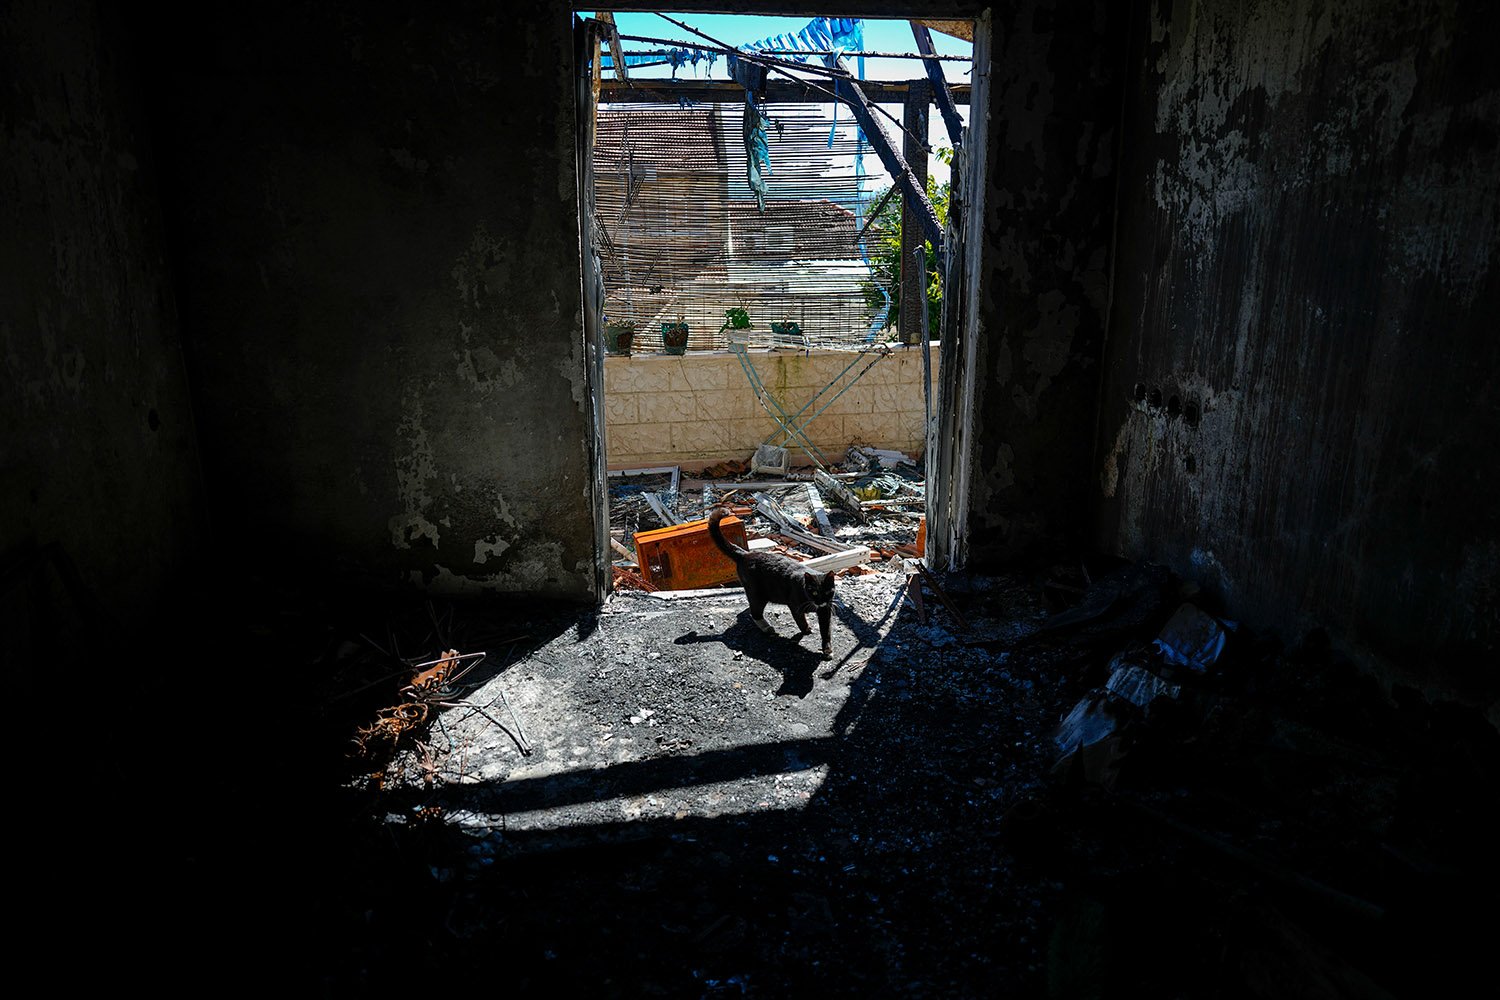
(401, 702)
(1084, 782)
(865, 517)
(1272, 811)
(1187, 646)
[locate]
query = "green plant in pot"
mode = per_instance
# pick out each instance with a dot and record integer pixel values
(674, 337)
(618, 335)
(788, 330)
(735, 320)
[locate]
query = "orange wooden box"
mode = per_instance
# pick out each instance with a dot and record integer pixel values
(683, 556)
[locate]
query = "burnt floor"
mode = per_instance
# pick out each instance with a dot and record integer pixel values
(710, 811)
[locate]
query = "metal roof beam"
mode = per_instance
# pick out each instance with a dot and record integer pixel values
(643, 91)
(940, 93)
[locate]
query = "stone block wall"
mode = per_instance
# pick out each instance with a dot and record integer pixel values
(699, 409)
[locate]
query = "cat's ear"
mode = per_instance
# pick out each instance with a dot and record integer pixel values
(828, 579)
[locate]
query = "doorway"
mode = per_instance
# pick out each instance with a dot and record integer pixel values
(686, 228)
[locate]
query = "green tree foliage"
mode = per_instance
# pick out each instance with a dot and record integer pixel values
(884, 242)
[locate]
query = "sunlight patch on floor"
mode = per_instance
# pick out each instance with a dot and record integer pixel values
(783, 791)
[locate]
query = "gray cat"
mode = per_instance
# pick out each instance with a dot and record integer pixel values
(770, 578)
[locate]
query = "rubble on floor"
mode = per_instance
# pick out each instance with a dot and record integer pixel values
(1082, 782)
(875, 501)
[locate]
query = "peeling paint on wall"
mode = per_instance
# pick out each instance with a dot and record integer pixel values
(414, 469)
(1309, 215)
(484, 254)
(534, 568)
(486, 547)
(571, 369)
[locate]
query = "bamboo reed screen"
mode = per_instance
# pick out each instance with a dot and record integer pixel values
(679, 234)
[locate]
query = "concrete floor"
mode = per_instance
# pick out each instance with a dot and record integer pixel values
(761, 815)
(710, 811)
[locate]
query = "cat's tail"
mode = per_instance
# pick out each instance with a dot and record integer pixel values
(725, 546)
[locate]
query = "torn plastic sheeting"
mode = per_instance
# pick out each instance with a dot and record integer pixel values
(1192, 638)
(1087, 724)
(888, 457)
(757, 151)
(1140, 686)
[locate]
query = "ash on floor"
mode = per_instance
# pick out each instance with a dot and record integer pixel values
(707, 810)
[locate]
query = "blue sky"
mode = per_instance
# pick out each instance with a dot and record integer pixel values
(740, 29)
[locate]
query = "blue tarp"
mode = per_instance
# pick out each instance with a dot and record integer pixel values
(676, 58)
(757, 151)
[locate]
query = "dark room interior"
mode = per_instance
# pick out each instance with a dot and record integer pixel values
(301, 372)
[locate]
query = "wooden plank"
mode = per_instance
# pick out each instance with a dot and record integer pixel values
(679, 595)
(835, 561)
(914, 590)
(941, 94)
(856, 97)
(820, 514)
(698, 484)
(937, 588)
(616, 49)
(911, 323)
(956, 28)
(660, 470)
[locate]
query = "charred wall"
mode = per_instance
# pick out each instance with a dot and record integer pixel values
(1299, 402)
(100, 501)
(375, 214)
(1041, 288)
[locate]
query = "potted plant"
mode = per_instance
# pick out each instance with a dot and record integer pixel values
(736, 319)
(788, 328)
(674, 336)
(618, 335)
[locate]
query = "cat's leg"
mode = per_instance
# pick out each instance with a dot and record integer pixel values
(825, 627)
(758, 614)
(801, 618)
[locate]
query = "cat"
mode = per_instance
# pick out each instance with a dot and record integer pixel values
(770, 578)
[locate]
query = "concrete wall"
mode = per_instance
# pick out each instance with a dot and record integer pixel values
(1040, 291)
(1300, 401)
(376, 213)
(373, 227)
(700, 408)
(97, 454)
